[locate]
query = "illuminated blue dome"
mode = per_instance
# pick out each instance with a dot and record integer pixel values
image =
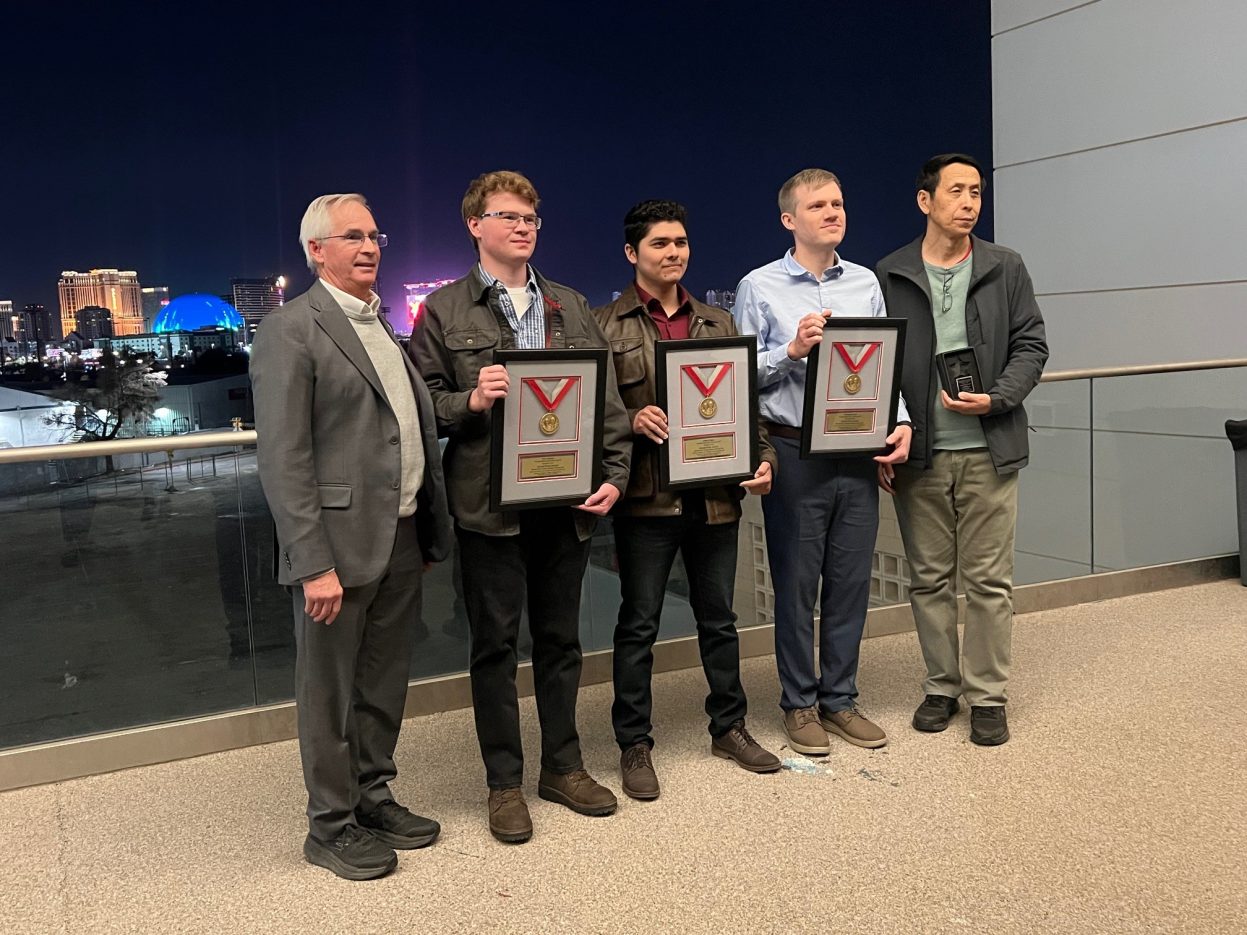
(194, 311)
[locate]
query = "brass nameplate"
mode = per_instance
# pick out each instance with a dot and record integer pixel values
(547, 466)
(708, 447)
(848, 420)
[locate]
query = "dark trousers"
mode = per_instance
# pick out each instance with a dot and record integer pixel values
(647, 547)
(350, 685)
(544, 564)
(822, 516)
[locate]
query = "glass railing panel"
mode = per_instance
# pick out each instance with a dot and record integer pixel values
(1164, 471)
(125, 602)
(1054, 490)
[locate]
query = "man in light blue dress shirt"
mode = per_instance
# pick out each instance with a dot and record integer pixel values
(823, 514)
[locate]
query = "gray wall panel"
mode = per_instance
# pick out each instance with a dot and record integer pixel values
(1165, 211)
(1145, 326)
(1092, 77)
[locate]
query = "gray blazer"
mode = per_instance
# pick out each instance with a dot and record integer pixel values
(328, 449)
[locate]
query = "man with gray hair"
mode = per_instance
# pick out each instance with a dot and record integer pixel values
(350, 464)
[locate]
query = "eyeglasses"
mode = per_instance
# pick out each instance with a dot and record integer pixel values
(948, 296)
(511, 219)
(358, 238)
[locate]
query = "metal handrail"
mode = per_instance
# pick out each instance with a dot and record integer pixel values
(121, 446)
(231, 439)
(1134, 370)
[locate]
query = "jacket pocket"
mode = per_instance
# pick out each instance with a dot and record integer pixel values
(473, 349)
(334, 496)
(629, 361)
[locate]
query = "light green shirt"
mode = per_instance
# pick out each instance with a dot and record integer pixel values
(951, 431)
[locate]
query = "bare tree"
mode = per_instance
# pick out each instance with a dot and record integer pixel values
(121, 394)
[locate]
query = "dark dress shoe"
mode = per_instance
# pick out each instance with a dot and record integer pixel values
(399, 827)
(988, 725)
(935, 712)
(509, 820)
(636, 768)
(353, 855)
(578, 791)
(738, 745)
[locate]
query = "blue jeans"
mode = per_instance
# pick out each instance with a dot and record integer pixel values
(646, 547)
(822, 517)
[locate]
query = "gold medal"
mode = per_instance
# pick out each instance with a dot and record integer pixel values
(548, 424)
(708, 408)
(852, 384)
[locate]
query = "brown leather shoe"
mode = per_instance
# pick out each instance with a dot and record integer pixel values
(854, 727)
(508, 816)
(578, 791)
(805, 734)
(637, 771)
(737, 744)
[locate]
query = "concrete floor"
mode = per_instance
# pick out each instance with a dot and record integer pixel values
(1116, 808)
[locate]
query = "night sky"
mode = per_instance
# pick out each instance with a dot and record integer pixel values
(184, 140)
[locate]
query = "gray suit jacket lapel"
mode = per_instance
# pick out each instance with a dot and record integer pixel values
(333, 321)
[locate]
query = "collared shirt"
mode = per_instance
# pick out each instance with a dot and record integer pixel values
(772, 299)
(673, 327)
(530, 328)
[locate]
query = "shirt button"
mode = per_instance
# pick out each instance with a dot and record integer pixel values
(394, 485)
(558, 334)
(571, 347)
(469, 341)
(393, 439)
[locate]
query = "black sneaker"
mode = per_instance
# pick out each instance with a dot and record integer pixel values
(353, 855)
(988, 725)
(399, 827)
(935, 712)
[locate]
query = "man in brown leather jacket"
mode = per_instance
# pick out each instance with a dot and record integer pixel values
(651, 525)
(511, 560)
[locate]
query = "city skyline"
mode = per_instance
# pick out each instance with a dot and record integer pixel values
(201, 172)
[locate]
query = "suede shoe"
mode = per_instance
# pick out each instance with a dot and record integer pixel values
(854, 727)
(399, 827)
(737, 744)
(509, 820)
(578, 791)
(353, 855)
(935, 712)
(637, 771)
(805, 734)
(988, 725)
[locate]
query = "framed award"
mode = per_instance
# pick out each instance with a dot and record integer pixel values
(852, 387)
(547, 431)
(708, 389)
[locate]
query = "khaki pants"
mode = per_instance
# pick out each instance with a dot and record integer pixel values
(961, 516)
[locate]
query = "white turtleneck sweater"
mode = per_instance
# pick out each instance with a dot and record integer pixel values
(387, 360)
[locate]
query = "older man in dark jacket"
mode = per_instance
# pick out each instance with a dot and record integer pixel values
(652, 525)
(956, 497)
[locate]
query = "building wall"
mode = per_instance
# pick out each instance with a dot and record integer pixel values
(1119, 131)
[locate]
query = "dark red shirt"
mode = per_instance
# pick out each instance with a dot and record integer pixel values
(672, 327)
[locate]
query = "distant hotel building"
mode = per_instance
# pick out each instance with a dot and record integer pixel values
(417, 292)
(42, 324)
(255, 298)
(723, 298)
(116, 290)
(93, 322)
(155, 298)
(12, 328)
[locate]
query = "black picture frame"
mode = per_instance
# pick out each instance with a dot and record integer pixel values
(742, 352)
(504, 449)
(890, 334)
